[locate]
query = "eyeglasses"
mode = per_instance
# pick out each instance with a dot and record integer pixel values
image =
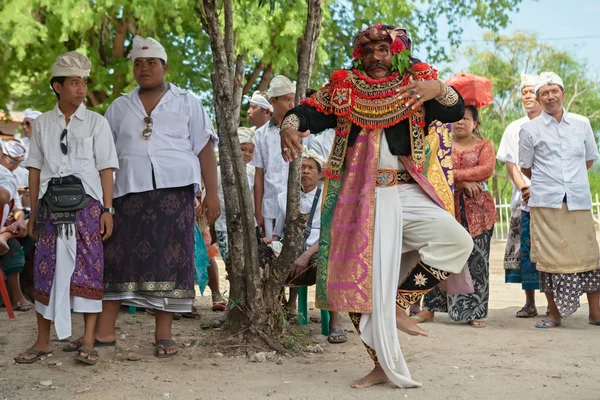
(64, 147)
(26, 123)
(147, 132)
(12, 160)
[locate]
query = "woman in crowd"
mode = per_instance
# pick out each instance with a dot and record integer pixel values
(474, 162)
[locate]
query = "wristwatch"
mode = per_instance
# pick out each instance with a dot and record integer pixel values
(109, 210)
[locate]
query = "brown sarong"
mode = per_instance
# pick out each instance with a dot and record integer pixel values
(563, 241)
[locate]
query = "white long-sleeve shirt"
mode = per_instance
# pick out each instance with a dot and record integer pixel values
(557, 153)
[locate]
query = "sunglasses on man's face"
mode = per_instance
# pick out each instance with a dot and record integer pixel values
(64, 147)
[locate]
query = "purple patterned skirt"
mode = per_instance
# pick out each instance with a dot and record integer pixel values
(87, 278)
(151, 251)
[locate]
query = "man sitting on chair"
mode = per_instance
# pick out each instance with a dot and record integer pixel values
(305, 268)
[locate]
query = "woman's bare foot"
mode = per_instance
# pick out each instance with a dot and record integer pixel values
(375, 377)
(407, 324)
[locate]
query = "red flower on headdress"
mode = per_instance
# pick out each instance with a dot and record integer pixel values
(357, 53)
(379, 25)
(339, 75)
(421, 67)
(397, 46)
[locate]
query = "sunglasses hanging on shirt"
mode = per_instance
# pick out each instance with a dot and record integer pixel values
(64, 147)
(147, 132)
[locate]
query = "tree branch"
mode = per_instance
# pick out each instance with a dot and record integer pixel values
(253, 77)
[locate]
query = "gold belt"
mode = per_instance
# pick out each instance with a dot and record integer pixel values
(392, 177)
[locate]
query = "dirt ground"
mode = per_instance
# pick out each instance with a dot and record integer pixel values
(509, 359)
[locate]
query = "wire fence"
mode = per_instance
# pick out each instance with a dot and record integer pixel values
(503, 210)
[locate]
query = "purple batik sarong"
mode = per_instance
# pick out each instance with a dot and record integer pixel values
(87, 279)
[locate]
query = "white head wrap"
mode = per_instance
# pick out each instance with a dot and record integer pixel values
(528, 80)
(32, 114)
(14, 149)
(548, 78)
(147, 48)
(314, 155)
(245, 135)
(72, 64)
(260, 100)
(280, 86)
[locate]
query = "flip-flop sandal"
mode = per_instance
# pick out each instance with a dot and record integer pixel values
(219, 306)
(86, 354)
(161, 345)
(38, 354)
(24, 307)
(193, 314)
(545, 322)
(526, 312)
(69, 349)
(597, 323)
(337, 335)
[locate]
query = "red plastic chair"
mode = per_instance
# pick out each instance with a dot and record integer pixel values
(4, 291)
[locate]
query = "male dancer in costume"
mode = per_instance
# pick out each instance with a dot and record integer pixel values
(388, 193)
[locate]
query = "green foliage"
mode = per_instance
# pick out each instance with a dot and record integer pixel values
(34, 32)
(503, 59)
(401, 61)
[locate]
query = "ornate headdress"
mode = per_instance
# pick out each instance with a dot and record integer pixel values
(400, 45)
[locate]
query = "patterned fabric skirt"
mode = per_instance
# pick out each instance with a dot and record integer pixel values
(151, 251)
(527, 275)
(512, 254)
(568, 288)
(467, 307)
(86, 279)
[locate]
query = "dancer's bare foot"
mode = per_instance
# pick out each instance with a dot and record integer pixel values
(407, 324)
(425, 316)
(375, 377)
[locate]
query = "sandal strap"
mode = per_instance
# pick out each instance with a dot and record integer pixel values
(36, 352)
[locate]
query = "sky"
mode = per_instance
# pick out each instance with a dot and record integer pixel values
(572, 25)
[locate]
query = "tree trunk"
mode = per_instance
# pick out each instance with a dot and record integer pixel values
(254, 293)
(265, 79)
(253, 77)
(306, 49)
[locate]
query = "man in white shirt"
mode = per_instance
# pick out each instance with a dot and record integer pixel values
(165, 143)
(259, 110)
(556, 150)
(271, 171)
(21, 173)
(72, 153)
(517, 264)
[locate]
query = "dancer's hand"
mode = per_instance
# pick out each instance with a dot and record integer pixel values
(418, 92)
(291, 146)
